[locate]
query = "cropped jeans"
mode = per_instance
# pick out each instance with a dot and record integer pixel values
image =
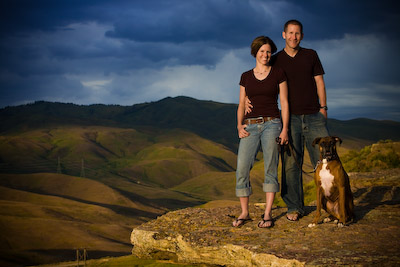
(264, 135)
(303, 130)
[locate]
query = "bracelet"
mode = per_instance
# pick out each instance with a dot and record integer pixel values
(324, 107)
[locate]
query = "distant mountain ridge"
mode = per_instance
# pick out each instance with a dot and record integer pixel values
(211, 120)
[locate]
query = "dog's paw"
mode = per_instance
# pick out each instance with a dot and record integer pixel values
(340, 225)
(336, 221)
(326, 220)
(311, 225)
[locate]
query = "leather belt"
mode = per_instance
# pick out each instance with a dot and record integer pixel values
(258, 120)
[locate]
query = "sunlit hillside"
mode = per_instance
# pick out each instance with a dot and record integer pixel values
(83, 176)
(71, 187)
(44, 217)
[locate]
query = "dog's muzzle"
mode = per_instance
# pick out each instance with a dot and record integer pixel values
(329, 153)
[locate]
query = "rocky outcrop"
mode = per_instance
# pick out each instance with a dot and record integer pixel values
(205, 235)
(148, 245)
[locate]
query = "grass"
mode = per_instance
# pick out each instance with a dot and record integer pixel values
(132, 261)
(125, 261)
(107, 151)
(78, 188)
(57, 212)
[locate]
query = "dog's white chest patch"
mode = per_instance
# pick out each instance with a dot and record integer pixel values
(326, 178)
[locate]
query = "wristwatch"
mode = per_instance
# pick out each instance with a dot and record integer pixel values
(324, 107)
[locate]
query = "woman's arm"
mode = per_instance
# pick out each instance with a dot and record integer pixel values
(283, 97)
(240, 114)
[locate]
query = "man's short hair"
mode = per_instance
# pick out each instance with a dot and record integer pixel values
(260, 41)
(293, 22)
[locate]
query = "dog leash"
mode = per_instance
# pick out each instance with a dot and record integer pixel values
(289, 150)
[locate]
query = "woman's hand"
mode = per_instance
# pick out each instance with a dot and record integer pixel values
(242, 132)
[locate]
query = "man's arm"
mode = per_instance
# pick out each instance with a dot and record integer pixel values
(247, 106)
(283, 97)
(321, 91)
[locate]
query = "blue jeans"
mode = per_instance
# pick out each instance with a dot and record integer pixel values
(303, 130)
(263, 134)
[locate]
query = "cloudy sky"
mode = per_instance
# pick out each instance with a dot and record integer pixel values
(131, 51)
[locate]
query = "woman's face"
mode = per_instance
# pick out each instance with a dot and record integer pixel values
(264, 54)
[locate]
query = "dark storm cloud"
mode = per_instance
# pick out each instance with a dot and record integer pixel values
(145, 21)
(24, 89)
(331, 19)
(156, 30)
(223, 23)
(126, 52)
(24, 16)
(206, 20)
(359, 59)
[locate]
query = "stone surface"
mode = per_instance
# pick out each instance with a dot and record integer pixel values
(205, 235)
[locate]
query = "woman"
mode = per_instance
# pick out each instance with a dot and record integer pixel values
(261, 126)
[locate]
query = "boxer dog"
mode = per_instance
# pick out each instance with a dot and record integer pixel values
(333, 184)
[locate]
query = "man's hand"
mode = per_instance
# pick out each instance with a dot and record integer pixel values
(242, 132)
(324, 112)
(247, 106)
(283, 138)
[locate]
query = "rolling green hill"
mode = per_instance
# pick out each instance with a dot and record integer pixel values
(146, 155)
(82, 176)
(141, 164)
(126, 179)
(44, 217)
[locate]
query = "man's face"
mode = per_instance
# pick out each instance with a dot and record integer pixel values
(292, 36)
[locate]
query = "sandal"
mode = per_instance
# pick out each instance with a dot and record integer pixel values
(264, 221)
(241, 222)
(295, 217)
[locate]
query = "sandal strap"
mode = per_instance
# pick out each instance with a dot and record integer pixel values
(269, 220)
(243, 220)
(264, 221)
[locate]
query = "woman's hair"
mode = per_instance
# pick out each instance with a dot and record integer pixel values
(293, 22)
(260, 41)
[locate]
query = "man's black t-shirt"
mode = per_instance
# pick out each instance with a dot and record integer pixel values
(300, 71)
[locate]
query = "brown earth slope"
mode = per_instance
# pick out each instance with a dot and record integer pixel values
(45, 217)
(205, 234)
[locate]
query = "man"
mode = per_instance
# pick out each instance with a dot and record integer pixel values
(308, 112)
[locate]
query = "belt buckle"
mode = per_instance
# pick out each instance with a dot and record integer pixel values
(262, 120)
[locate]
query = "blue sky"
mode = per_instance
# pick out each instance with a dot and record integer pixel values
(128, 52)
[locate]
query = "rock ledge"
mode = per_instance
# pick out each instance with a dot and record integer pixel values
(205, 235)
(147, 245)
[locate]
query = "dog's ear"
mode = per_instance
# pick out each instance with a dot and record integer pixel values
(337, 139)
(316, 141)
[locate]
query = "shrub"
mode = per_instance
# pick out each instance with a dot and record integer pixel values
(383, 155)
